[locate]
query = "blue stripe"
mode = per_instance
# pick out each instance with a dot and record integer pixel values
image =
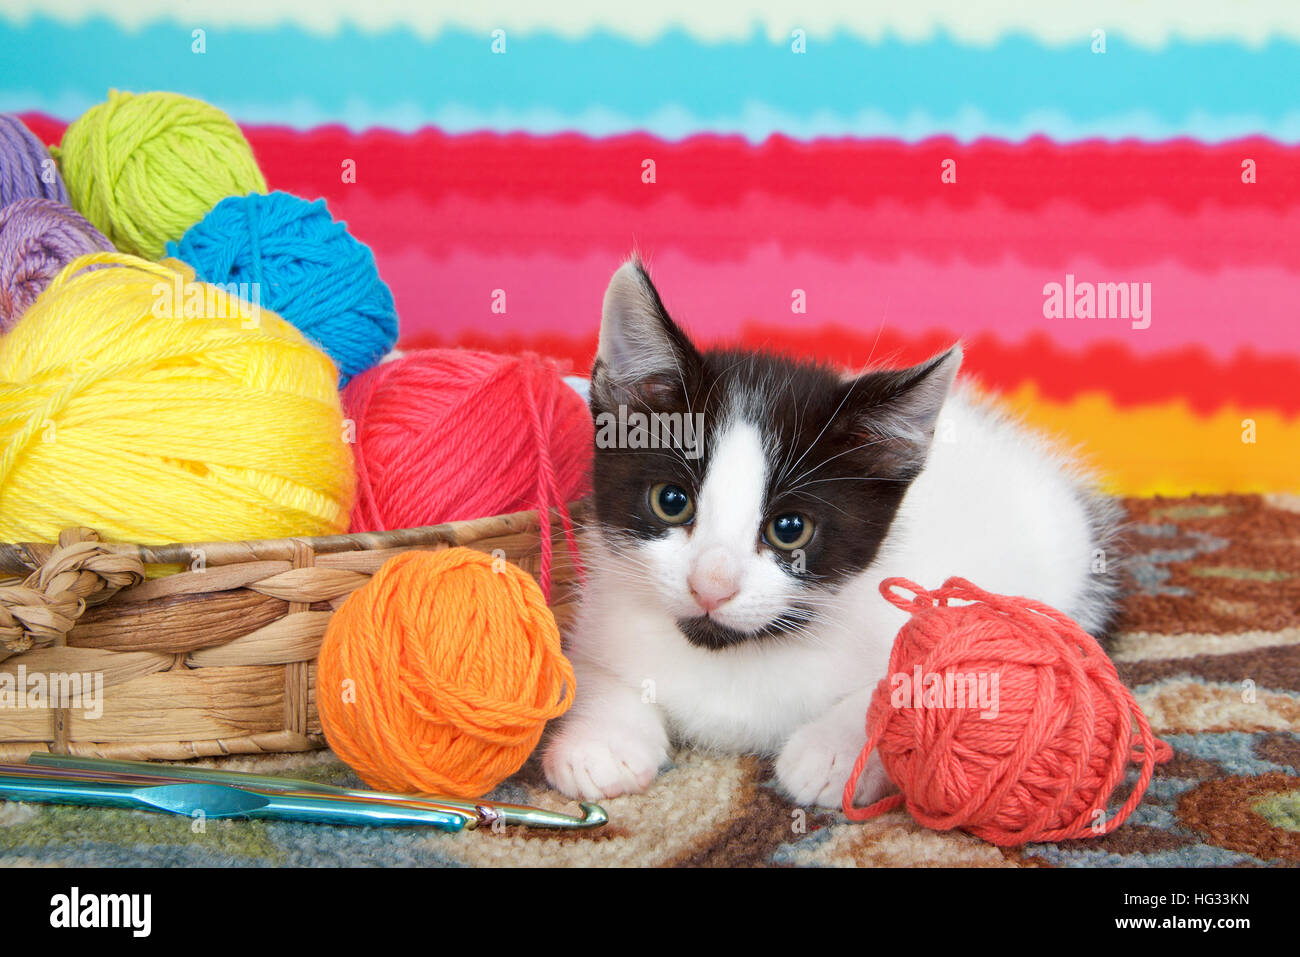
(674, 86)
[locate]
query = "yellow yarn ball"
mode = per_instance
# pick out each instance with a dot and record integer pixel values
(155, 408)
(145, 168)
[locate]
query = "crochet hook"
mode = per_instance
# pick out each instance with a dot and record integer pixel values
(593, 815)
(150, 777)
(189, 798)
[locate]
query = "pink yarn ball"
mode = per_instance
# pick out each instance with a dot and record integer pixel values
(450, 434)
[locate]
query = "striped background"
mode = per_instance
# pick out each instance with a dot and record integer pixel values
(776, 171)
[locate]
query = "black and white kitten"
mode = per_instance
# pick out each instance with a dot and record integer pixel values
(732, 595)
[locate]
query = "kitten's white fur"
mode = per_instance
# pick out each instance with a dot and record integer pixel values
(993, 504)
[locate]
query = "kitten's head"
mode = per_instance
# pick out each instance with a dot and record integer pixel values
(742, 489)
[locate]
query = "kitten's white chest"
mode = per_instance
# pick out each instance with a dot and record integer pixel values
(750, 702)
(749, 698)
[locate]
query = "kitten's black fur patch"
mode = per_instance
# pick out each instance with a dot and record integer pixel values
(842, 452)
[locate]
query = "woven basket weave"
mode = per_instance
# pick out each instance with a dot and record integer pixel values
(219, 657)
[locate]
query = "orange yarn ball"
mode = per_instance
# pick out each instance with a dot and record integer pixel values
(1034, 757)
(452, 668)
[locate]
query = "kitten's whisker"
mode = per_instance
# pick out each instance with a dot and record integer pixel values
(785, 465)
(849, 478)
(828, 460)
(826, 425)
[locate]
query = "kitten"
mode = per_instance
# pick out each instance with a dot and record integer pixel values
(731, 600)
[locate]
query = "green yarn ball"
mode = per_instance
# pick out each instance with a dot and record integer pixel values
(145, 168)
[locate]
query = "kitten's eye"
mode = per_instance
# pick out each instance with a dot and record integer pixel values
(671, 503)
(789, 531)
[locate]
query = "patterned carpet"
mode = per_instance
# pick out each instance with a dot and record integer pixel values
(1210, 642)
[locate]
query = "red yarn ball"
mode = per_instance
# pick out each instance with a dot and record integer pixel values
(1037, 765)
(450, 434)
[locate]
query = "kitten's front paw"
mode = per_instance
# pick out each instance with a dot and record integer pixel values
(815, 763)
(591, 763)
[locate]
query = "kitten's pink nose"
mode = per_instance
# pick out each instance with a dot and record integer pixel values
(712, 602)
(713, 581)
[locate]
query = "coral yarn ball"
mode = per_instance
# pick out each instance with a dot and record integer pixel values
(1037, 754)
(38, 237)
(305, 266)
(144, 168)
(439, 674)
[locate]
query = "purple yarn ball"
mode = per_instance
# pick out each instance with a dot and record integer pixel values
(38, 237)
(26, 170)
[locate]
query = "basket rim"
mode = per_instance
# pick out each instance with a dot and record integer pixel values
(22, 558)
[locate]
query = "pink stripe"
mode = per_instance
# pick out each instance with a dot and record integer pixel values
(1050, 236)
(1234, 308)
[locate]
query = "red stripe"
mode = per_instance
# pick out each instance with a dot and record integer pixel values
(1053, 237)
(721, 170)
(1248, 381)
(720, 175)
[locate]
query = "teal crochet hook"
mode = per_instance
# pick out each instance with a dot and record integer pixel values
(478, 812)
(194, 798)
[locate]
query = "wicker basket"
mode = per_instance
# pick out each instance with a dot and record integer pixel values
(217, 658)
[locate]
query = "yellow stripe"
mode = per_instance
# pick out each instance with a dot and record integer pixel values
(1168, 449)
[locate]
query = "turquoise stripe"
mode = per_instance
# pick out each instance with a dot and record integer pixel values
(675, 86)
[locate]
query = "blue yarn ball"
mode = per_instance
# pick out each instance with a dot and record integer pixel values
(307, 267)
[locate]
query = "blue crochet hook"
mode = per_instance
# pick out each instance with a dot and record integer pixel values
(477, 813)
(193, 798)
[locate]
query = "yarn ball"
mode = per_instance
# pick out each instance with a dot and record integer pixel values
(145, 168)
(306, 267)
(27, 171)
(1034, 757)
(438, 675)
(450, 434)
(38, 237)
(156, 409)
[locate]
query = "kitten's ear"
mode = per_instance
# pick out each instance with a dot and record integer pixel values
(895, 411)
(642, 352)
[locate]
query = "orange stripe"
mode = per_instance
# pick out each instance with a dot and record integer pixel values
(1165, 448)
